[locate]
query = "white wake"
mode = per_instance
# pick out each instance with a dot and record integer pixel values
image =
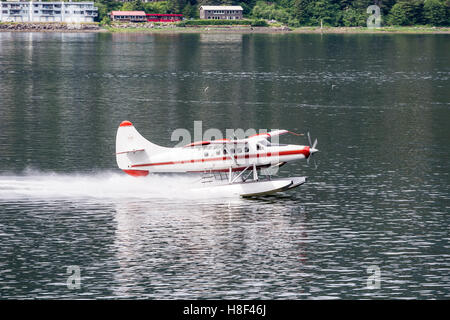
(105, 185)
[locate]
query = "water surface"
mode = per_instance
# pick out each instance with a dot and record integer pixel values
(378, 104)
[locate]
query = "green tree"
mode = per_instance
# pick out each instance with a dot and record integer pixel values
(105, 7)
(397, 15)
(176, 6)
(352, 17)
(264, 10)
(102, 10)
(105, 21)
(435, 13)
(386, 6)
(132, 6)
(324, 11)
(247, 9)
(357, 4)
(447, 5)
(156, 7)
(300, 12)
(406, 13)
(189, 11)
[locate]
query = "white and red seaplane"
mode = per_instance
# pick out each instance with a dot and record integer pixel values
(228, 165)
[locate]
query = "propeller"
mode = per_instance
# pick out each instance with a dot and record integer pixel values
(312, 150)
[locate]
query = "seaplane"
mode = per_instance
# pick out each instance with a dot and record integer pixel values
(238, 166)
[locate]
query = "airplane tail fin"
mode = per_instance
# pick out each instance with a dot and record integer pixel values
(133, 149)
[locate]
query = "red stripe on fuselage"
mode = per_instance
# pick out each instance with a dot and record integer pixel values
(304, 151)
(233, 169)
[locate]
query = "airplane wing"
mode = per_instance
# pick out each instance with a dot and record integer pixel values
(257, 137)
(270, 134)
(222, 141)
(273, 133)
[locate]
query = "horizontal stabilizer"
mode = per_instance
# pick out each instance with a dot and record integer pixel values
(131, 151)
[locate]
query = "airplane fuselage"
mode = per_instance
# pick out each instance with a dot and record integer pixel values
(138, 157)
(217, 158)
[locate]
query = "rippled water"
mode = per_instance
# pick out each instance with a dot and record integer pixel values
(379, 105)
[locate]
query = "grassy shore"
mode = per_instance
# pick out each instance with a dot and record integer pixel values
(414, 29)
(280, 29)
(173, 28)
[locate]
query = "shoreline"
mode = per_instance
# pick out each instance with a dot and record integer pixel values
(171, 28)
(49, 27)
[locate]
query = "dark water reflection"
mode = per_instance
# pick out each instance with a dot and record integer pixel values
(379, 105)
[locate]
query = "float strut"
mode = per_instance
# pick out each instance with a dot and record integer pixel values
(255, 172)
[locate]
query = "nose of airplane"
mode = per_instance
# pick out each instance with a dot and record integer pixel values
(312, 147)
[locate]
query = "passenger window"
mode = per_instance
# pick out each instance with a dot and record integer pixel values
(224, 151)
(239, 150)
(246, 150)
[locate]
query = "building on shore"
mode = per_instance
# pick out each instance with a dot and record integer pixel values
(37, 11)
(221, 12)
(128, 16)
(141, 16)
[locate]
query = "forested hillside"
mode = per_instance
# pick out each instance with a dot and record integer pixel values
(350, 13)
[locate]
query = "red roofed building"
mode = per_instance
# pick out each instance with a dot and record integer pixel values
(128, 16)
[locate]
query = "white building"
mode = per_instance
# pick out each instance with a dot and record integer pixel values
(221, 12)
(47, 11)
